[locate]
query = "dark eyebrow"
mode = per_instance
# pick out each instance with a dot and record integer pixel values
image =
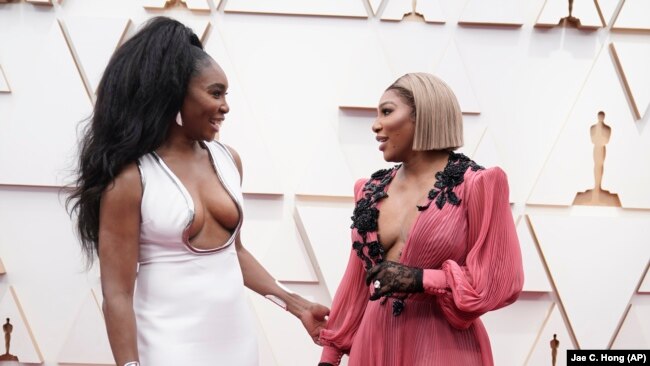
(384, 103)
(217, 85)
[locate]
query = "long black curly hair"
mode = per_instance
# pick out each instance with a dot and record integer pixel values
(140, 93)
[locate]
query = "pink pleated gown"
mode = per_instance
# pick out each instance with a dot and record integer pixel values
(467, 244)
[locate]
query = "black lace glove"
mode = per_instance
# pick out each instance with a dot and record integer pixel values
(391, 277)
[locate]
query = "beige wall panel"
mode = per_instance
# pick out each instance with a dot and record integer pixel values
(474, 128)
(339, 8)
(23, 343)
(635, 331)
(645, 284)
(4, 84)
(92, 41)
(572, 156)
(241, 128)
(40, 2)
(87, 341)
(513, 329)
(295, 98)
(363, 79)
(374, 5)
(487, 154)
(608, 9)
(451, 69)
(202, 5)
(535, 278)
(39, 247)
(541, 353)
(494, 12)
(286, 246)
(301, 350)
(328, 173)
(48, 99)
(525, 91)
(327, 228)
(410, 47)
(263, 214)
(632, 60)
(554, 10)
(577, 249)
(357, 140)
(633, 16)
(429, 9)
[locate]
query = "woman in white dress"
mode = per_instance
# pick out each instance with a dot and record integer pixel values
(159, 202)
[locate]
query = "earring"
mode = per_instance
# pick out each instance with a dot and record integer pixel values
(179, 120)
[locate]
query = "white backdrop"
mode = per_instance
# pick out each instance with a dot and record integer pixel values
(304, 78)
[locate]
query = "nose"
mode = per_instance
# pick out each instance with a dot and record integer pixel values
(376, 126)
(225, 108)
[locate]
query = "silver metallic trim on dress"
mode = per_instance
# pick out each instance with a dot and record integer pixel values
(225, 185)
(143, 181)
(186, 195)
(190, 201)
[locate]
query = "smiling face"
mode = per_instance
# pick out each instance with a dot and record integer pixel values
(394, 127)
(204, 107)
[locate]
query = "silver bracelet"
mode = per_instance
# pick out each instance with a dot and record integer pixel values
(132, 363)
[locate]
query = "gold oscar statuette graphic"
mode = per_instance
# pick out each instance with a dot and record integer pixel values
(600, 133)
(555, 343)
(414, 15)
(7, 328)
(570, 20)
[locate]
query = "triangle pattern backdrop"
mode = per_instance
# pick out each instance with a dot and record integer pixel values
(632, 60)
(635, 331)
(23, 343)
(633, 16)
(509, 13)
(595, 279)
(4, 84)
(87, 341)
(541, 354)
(92, 41)
(339, 8)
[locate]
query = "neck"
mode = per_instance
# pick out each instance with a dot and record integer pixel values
(177, 142)
(424, 163)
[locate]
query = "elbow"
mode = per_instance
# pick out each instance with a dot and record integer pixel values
(114, 305)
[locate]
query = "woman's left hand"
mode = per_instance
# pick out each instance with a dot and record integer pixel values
(313, 318)
(392, 277)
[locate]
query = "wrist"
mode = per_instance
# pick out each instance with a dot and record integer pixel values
(132, 363)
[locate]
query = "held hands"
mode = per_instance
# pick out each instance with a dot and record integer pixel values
(392, 277)
(313, 318)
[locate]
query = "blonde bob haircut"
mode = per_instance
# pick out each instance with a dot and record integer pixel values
(435, 109)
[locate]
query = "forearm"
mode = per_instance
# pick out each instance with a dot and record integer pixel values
(260, 280)
(121, 328)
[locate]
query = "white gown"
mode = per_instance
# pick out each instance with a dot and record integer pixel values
(190, 304)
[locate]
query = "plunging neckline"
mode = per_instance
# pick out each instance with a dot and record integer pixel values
(413, 225)
(185, 238)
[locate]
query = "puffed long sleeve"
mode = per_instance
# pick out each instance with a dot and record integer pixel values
(492, 276)
(348, 307)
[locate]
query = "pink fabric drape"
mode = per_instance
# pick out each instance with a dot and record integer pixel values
(472, 263)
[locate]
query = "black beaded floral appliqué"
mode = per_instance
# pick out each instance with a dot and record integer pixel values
(366, 215)
(446, 180)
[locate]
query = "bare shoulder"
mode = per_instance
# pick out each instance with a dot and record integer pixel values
(126, 188)
(236, 158)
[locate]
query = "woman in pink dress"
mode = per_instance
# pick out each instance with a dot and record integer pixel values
(434, 244)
